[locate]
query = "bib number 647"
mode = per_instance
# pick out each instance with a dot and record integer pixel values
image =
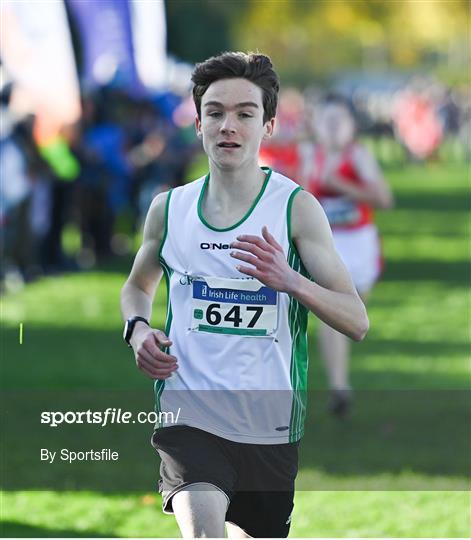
(214, 316)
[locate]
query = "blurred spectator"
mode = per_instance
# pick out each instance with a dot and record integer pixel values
(129, 151)
(95, 181)
(15, 199)
(417, 124)
(63, 171)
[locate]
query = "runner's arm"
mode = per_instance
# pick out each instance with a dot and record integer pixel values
(138, 293)
(374, 191)
(332, 295)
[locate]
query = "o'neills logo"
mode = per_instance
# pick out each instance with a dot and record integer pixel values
(207, 245)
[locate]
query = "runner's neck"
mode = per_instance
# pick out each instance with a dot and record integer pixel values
(230, 194)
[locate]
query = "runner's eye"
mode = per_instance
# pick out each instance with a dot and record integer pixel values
(215, 114)
(245, 115)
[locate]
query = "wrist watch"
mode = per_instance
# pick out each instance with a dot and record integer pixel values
(129, 327)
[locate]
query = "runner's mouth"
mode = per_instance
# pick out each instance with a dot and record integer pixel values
(228, 145)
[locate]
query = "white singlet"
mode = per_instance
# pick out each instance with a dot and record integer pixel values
(241, 346)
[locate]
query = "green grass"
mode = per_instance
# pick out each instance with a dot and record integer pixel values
(337, 514)
(399, 467)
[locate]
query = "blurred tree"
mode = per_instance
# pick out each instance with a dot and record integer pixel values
(311, 39)
(198, 29)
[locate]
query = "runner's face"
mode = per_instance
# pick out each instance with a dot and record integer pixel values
(335, 127)
(231, 124)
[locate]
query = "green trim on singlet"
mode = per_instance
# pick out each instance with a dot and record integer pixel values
(158, 389)
(159, 385)
(251, 209)
(288, 216)
(297, 319)
(164, 236)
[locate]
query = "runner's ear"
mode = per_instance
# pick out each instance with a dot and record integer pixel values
(199, 133)
(269, 128)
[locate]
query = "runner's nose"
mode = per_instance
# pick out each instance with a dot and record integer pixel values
(228, 125)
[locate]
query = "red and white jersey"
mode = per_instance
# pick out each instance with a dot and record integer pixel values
(342, 212)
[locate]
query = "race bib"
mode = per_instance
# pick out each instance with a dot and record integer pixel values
(244, 307)
(340, 211)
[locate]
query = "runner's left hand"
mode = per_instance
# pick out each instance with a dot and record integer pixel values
(269, 264)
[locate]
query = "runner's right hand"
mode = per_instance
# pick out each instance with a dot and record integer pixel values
(150, 359)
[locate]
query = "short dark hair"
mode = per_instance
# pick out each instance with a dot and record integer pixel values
(256, 68)
(334, 98)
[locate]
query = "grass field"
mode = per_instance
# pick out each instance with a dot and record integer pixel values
(399, 467)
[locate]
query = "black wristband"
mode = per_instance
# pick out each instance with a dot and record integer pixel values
(129, 327)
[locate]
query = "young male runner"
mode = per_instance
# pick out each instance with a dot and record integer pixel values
(346, 179)
(235, 248)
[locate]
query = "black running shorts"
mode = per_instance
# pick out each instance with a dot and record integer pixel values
(258, 479)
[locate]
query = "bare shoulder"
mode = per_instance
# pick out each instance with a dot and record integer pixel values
(155, 221)
(159, 202)
(308, 218)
